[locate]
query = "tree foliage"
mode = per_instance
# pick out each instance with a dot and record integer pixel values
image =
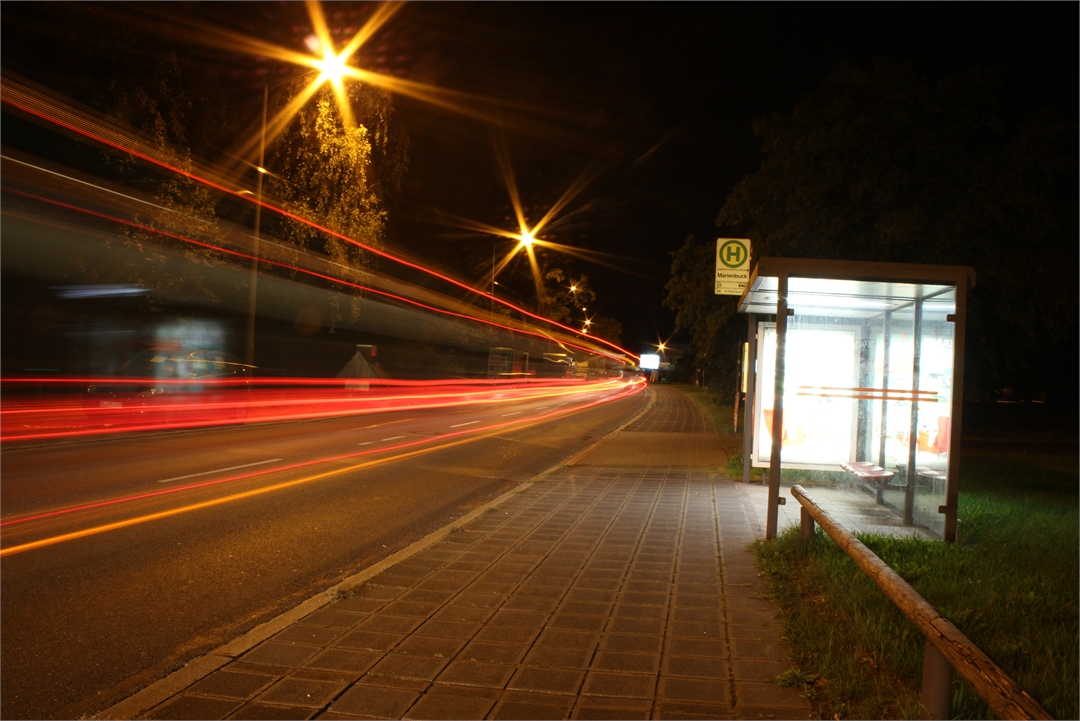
(885, 165)
(322, 169)
(170, 101)
(710, 318)
(559, 303)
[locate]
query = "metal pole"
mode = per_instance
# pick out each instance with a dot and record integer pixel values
(913, 437)
(778, 406)
(249, 347)
(738, 397)
(751, 384)
(952, 478)
(885, 386)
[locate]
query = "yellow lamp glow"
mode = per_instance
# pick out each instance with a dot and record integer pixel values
(332, 67)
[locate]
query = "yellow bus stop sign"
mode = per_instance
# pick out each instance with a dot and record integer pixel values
(732, 265)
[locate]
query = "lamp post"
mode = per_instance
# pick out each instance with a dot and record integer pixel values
(249, 345)
(253, 285)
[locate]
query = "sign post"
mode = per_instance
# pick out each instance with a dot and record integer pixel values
(732, 265)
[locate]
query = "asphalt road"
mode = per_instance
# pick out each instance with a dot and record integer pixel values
(126, 557)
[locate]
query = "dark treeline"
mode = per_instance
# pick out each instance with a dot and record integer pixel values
(886, 165)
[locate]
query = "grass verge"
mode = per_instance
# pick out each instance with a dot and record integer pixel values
(1010, 584)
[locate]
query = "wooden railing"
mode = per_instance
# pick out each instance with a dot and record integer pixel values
(946, 647)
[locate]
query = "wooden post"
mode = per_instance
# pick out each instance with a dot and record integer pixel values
(936, 697)
(806, 524)
(1001, 693)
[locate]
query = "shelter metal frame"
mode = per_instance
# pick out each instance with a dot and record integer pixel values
(863, 285)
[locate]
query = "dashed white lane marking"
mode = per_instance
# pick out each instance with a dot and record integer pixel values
(365, 443)
(511, 414)
(389, 423)
(459, 425)
(217, 470)
(393, 438)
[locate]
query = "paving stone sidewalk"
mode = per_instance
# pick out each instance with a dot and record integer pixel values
(618, 587)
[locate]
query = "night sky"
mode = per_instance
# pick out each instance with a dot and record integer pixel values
(654, 100)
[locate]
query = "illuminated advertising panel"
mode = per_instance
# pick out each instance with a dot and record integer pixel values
(818, 427)
(650, 361)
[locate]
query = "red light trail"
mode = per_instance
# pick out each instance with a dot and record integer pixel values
(322, 276)
(281, 211)
(209, 403)
(442, 440)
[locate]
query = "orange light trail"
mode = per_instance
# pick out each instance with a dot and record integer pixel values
(304, 464)
(4, 95)
(478, 433)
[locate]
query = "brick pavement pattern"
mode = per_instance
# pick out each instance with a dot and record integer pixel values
(603, 591)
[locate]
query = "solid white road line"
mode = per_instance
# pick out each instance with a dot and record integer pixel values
(219, 470)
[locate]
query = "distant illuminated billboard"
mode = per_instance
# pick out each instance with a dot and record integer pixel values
(650, 361)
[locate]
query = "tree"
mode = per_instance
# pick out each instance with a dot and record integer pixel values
(606, 328)
(565, 297)
(163, 96)
(562, 295)
(710, 318)
(322, 170)
(885, 165)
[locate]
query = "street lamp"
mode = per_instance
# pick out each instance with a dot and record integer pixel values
(330, 70)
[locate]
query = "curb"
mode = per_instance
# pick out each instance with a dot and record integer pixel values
(202, 666)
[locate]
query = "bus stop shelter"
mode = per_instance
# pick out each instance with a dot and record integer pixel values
(858, 368)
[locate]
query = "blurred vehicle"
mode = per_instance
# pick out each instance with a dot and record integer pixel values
(172, 387)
